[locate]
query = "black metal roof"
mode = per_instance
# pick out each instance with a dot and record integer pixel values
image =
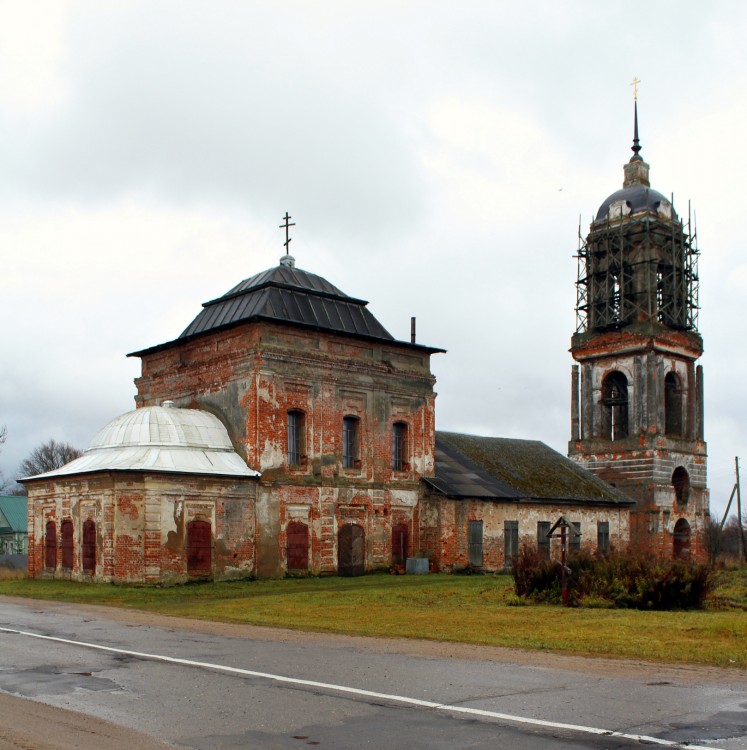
(488, 468)
(288, 295)
(638, 198)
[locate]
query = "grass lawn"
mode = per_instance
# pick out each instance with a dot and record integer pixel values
(467, 609)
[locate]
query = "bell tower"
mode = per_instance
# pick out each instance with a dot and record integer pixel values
(637, 390)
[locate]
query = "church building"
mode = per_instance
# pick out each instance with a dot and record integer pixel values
(287, 432)
(637, 390)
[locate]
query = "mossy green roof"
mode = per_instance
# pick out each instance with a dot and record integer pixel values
(470, 466)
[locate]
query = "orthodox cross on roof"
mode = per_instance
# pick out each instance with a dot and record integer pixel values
(287, 259)
(288, 224)
(634, 83)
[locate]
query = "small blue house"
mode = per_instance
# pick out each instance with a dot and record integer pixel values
(14, 537)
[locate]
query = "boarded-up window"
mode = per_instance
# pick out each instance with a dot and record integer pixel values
(351, 550)
(297, 535)
(199, 547)
(399, 544)
(50, 545)
(474, 544)
(543, 541)
(603, 537)
(510, 541)
(574, 536)
(66, 531)
(89, 546)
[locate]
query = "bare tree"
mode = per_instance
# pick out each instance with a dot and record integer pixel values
(714, 536)
(47, 457)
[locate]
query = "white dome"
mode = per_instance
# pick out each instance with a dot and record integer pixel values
(164, 426)
(161, 439)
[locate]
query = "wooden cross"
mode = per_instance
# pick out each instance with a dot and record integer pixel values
(288, 224)
(634, 83)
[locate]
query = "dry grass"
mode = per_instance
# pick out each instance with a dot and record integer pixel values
(476, 609)
(10, 574)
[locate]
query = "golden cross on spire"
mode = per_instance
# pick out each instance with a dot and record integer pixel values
(634, 83)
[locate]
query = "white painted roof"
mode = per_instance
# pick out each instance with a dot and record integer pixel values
(160, 438)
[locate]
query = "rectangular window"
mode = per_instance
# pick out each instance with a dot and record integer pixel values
(350, 443)
(574, 541)
(511, 541)
(543, 541)
(296, 430)
(603, 537)
(653, 522)
(474, 544)
(399, 446)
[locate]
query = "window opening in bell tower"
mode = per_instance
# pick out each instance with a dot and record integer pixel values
(615, 406)
(672, 405)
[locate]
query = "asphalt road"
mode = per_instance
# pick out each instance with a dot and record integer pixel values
(202, 686)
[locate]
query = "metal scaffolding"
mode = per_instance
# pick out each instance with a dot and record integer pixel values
(637, 269)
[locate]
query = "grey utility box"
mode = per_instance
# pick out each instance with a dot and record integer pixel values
(417, 565)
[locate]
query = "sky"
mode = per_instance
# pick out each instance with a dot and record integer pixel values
(437, 158)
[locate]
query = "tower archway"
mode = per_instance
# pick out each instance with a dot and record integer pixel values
(681, 545)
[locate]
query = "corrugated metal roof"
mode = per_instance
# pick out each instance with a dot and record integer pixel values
(13, 510)
(164, 439)
(289, 295)
(470, 466)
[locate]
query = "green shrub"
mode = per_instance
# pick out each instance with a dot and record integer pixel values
(624, 580)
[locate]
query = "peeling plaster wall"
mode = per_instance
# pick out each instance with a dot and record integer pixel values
(643, 463)
(253, 375)
(445, 526)
(141, 524)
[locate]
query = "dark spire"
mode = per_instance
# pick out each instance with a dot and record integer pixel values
(636, 147)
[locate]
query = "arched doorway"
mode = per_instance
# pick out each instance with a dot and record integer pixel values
(199, 548)
(399, 544)
(297, 546)
(681, 540)
(351, 550)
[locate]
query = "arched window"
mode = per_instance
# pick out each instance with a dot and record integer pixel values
(681, 549)
(297, 546)
(681, 483)
(50, 545)
(399, 544)
(199, 547)
(399, 446)
(351, 442)
(672, 405)
(296, 437)
(615, 406)
(89, 546)
(66, 531)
